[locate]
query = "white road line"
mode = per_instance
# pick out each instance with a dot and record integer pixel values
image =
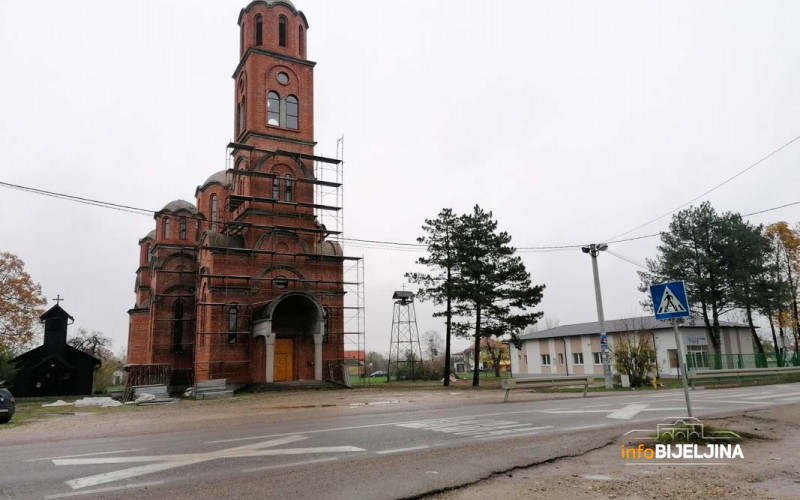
(732, 401)
(789, 400)
(85, 454)
(141, 470)
(596, 406)
(105, 490)
(400, 450)
(775, 395)
(369, 426)
(627, 412)
(167, 462)
(293, 464)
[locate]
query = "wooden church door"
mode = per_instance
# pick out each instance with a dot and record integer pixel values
(284, 355)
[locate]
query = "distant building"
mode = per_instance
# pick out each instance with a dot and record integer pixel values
(575, 349)
(54, 368)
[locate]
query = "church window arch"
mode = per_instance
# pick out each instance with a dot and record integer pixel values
(288, 189)
(259, 30)
(241, 113)
(273, 108)
(148, 256)
(233, 323)
(182, 228)
(214, 212)
(282, 31)
(166, 228)
(177, 325)
(292, 112)
(301, 43)
(276, 188)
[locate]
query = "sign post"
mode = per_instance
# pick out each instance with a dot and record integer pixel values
(670, 302)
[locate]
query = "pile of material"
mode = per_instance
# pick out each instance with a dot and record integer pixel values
(86, 402)
(156, 394)
(212, 389)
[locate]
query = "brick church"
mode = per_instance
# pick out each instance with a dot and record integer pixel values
(247, 283)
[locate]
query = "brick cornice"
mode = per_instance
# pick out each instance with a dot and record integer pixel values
(276, 55)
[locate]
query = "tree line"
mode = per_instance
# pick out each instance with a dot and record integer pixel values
(730, 264)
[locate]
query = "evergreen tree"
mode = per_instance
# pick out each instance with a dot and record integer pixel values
(493, 289)
(437, 284)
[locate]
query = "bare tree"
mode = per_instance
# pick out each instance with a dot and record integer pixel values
(433, 342)
(92, 343)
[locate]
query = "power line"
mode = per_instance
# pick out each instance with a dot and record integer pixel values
(360, 242)
(726, 181)
(626, 259)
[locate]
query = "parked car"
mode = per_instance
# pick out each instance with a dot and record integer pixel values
(379, 373)
(8, 405)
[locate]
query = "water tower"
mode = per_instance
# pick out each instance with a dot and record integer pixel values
(405, 351)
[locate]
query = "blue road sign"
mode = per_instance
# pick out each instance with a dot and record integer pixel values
(669, 300)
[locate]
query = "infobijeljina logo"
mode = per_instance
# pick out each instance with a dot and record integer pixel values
(682, 441)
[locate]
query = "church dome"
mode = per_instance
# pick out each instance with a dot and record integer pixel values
(151, 235)
(220, 178)
(270, 3)
(178, 205)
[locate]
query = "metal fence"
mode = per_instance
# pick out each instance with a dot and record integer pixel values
(704, 361)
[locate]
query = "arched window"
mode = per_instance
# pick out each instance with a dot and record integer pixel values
(291, 112)
(148, 256)
(233, 323)
(177, 326)
(287, 189)
(259, 30)
(214, 212)
(301, 43)
(273, 108)
(282, 31)
(166, 227)
(182, 228)
(242, 118)
(276, 188)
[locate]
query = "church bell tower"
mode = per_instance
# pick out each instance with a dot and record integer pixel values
(274, 80)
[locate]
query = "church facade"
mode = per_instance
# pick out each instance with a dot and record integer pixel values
(246, 283)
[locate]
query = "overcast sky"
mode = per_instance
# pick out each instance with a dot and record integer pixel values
(572, 121)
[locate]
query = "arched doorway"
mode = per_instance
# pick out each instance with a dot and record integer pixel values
(293, 327)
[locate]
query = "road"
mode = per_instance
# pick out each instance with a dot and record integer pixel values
(367, 451)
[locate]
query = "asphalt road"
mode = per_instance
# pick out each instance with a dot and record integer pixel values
(359, 454)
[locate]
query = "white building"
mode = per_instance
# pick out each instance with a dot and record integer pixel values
(575, 349)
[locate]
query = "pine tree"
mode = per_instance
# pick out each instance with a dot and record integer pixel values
(493, 289)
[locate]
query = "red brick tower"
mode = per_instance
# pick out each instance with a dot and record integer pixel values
(268, 285)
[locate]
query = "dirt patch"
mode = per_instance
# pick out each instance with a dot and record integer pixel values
(770, 469)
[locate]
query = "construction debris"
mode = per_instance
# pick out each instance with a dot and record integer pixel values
(57, 403)
(152, 395)
(86, 403)
(212, 389)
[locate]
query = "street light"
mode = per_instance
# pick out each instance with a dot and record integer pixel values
(594, 250)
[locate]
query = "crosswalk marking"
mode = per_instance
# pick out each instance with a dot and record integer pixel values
(473, 427)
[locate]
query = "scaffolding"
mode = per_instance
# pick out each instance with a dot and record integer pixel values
(210, 353)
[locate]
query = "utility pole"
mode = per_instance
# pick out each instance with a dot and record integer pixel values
(594, 250)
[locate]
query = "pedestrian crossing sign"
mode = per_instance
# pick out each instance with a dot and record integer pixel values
(669, 300)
